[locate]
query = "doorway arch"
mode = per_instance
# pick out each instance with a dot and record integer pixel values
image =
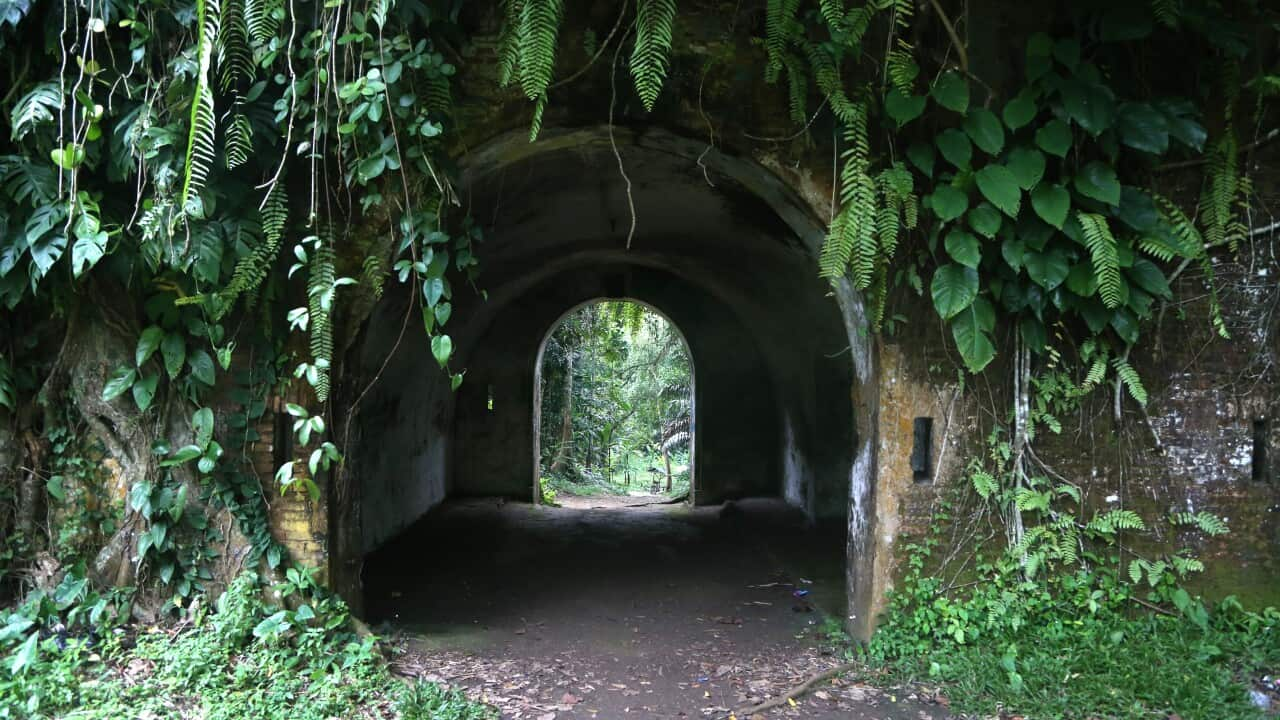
(537, 392)
(723, 247)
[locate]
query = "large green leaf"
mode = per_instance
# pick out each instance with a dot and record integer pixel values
(1137, 210)
(951, 91)
(201, 365)
(1027, 165)
(921, 155)
(1147, 276)
(119, 383)
(174, 351)
(1054, 138)
(1000, 186)
(903, 108)
(1081, 280)
(1089, 105)
(1020, 111)
(984, 128)
(948, 202)
(144, 391)
(442, 349)
(148, 343)
(1051, 203)
(953, 288)
(87, 251)
(1144, 128)
(954, 146)
(970, 329)
(964, 248)
(985, 220)
(1097, 180)
(1047, 269)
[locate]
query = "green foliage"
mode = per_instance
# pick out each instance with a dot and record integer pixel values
(245, 659)
(655, 20)
(616, 402)
(1070, 644)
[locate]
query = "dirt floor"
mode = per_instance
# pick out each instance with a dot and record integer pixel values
(648, 611)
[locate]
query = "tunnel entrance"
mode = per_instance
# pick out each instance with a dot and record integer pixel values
(613, 411)
(784, 399)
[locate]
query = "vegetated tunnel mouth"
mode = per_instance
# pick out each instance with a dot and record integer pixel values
(723, 250)
(614, 416)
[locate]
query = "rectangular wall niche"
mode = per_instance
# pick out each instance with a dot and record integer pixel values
(1260, 464)
(922, 449)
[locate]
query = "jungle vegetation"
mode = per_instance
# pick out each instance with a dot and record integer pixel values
(195, 170)
(617, 403)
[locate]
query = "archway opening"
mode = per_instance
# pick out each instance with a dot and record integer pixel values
(446, 522)
(613, 410)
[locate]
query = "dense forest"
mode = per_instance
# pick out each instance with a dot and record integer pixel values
(617, 402)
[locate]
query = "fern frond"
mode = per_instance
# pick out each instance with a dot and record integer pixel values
(901, 67)
(539, 28)
(535, 124)
(1187, 242)
(252, 269)
(1114, 521)
(651, 54)
(1105, 257)
(437, 93)
(1129, 378)
(779, 23)
(797, 88)
(373, 272)
(262, 18)
(1218, 198)
(826, 74)
(509, 42)
(238, 144)
(320, 286)
(1205, 522)
(235, 56)
(200, 136)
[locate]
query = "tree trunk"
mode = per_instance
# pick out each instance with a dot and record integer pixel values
(566, 418)
(666, 459)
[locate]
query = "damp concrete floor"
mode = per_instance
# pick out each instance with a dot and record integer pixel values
(628, 610)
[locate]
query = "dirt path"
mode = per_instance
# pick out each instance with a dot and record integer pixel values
(631, 612)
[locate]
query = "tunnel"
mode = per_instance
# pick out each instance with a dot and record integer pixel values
(720, 246)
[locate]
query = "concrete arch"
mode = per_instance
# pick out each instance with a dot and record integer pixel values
(537, 391)
(722, 246)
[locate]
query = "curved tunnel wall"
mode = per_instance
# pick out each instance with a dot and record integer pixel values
(493, 447)
(721, 246)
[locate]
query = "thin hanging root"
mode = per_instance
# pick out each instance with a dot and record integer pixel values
(794, 692)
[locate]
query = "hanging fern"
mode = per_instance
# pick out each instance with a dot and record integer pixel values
(200, 137)
(320, 294)
(539, 28)
(1131, 381)
(239, 141)
(1106, 259)
(262, 20)
(373, 273)
(651, 55)
(797, 88)
(779, 26)
(252, 268)
(509, 43)
(235, 56)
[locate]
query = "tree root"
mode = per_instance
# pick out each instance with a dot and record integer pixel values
(794, 692)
